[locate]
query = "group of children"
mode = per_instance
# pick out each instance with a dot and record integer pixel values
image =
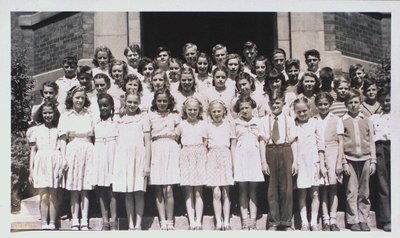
(122, 126)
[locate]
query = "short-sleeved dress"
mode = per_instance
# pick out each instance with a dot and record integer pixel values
(247, 154)
(47, 160)
(332, 126)
(130, 154)
(310, 141)
(165, 150)
(80, 150)
(106, 133)
(219, 159)
(193, 155)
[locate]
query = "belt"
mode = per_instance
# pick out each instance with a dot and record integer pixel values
(278, 145)
(106, 139)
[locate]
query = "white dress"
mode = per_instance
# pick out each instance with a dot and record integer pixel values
(247, 154)
(129, 160)
(47, 160)
(106, 133)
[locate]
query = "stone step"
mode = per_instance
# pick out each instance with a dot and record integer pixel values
(23, 222)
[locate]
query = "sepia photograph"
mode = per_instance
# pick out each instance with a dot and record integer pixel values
(202, 118)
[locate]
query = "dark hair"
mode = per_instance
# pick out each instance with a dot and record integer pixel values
(326, 77)
(184, 114)
(300, 88)
(134, 48)
(187, 70)
(103, 76)
(312, 52)
(292, 62)
(276, 95)
(50, 84)
(38, 116)
(323, 95)
(175, 60)
(340, 79)
(219, 68)
(70, 94)
(367, 83)
(161, 49)
(244, 75)
(352, 75)
(209, 61)
(241, 99)
(260, 58)
(84, 70)
(272, 75)
(382, 93)
(171, 100)
(279, 51)
(104, 49)
(352, 94)
(110, 99)
(145, 61)
(248, 45)
(70, 60)
(132, 77)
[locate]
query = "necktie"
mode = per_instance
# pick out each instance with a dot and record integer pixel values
(275, 131)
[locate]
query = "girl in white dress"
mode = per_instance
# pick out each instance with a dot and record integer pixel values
(76, 127)
(164, 169)
(193, 158)
(203, 70)
(132, 159)
(221, 142)
(310, 162)
(45, 162)
(106, 133)
(249, 159)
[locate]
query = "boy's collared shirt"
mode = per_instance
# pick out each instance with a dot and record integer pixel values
(358, 138)
(286, 125)
(381, 124)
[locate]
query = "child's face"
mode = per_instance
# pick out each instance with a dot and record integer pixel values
(250, 55)
(174, 70)
(308, 83)
(217, 112)
(359, 75)
(85, 81)
(312, 63)
(323, 106)
(342, 90)
(102, 58)
(246, 110)
(49, 93)
(162, 102)
(78, 100)
(353, 105)
(69, 70)
(191, 55)
(261, 68)
(158, 81)
(148, 70)
(293, 73)
(132, 103)
(386, 104)
(48, 114)
(276, 106)
(187, 82)
(233, 66)
(105, 107)
(220, 56)
(278, 60)
(117, 72)
(244, 87)
(163, 58)
(372, 91)
(133, 58)
(192, 110)
(219, 79)
(133, 85)
(100, 85)
(302, 111)
(202, 65)
(275, 84)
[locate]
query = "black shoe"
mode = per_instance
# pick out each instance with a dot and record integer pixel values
(387, 227)
(325, 227)
(355, 227)
(364, 226)
(334, 227)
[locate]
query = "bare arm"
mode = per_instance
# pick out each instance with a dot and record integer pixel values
(263, 156)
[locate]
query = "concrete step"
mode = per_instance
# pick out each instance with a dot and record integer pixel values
(21, 222)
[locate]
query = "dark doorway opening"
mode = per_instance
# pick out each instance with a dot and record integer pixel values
(206, 29)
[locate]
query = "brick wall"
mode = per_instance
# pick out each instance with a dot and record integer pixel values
(355, 34)
(70, 34)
